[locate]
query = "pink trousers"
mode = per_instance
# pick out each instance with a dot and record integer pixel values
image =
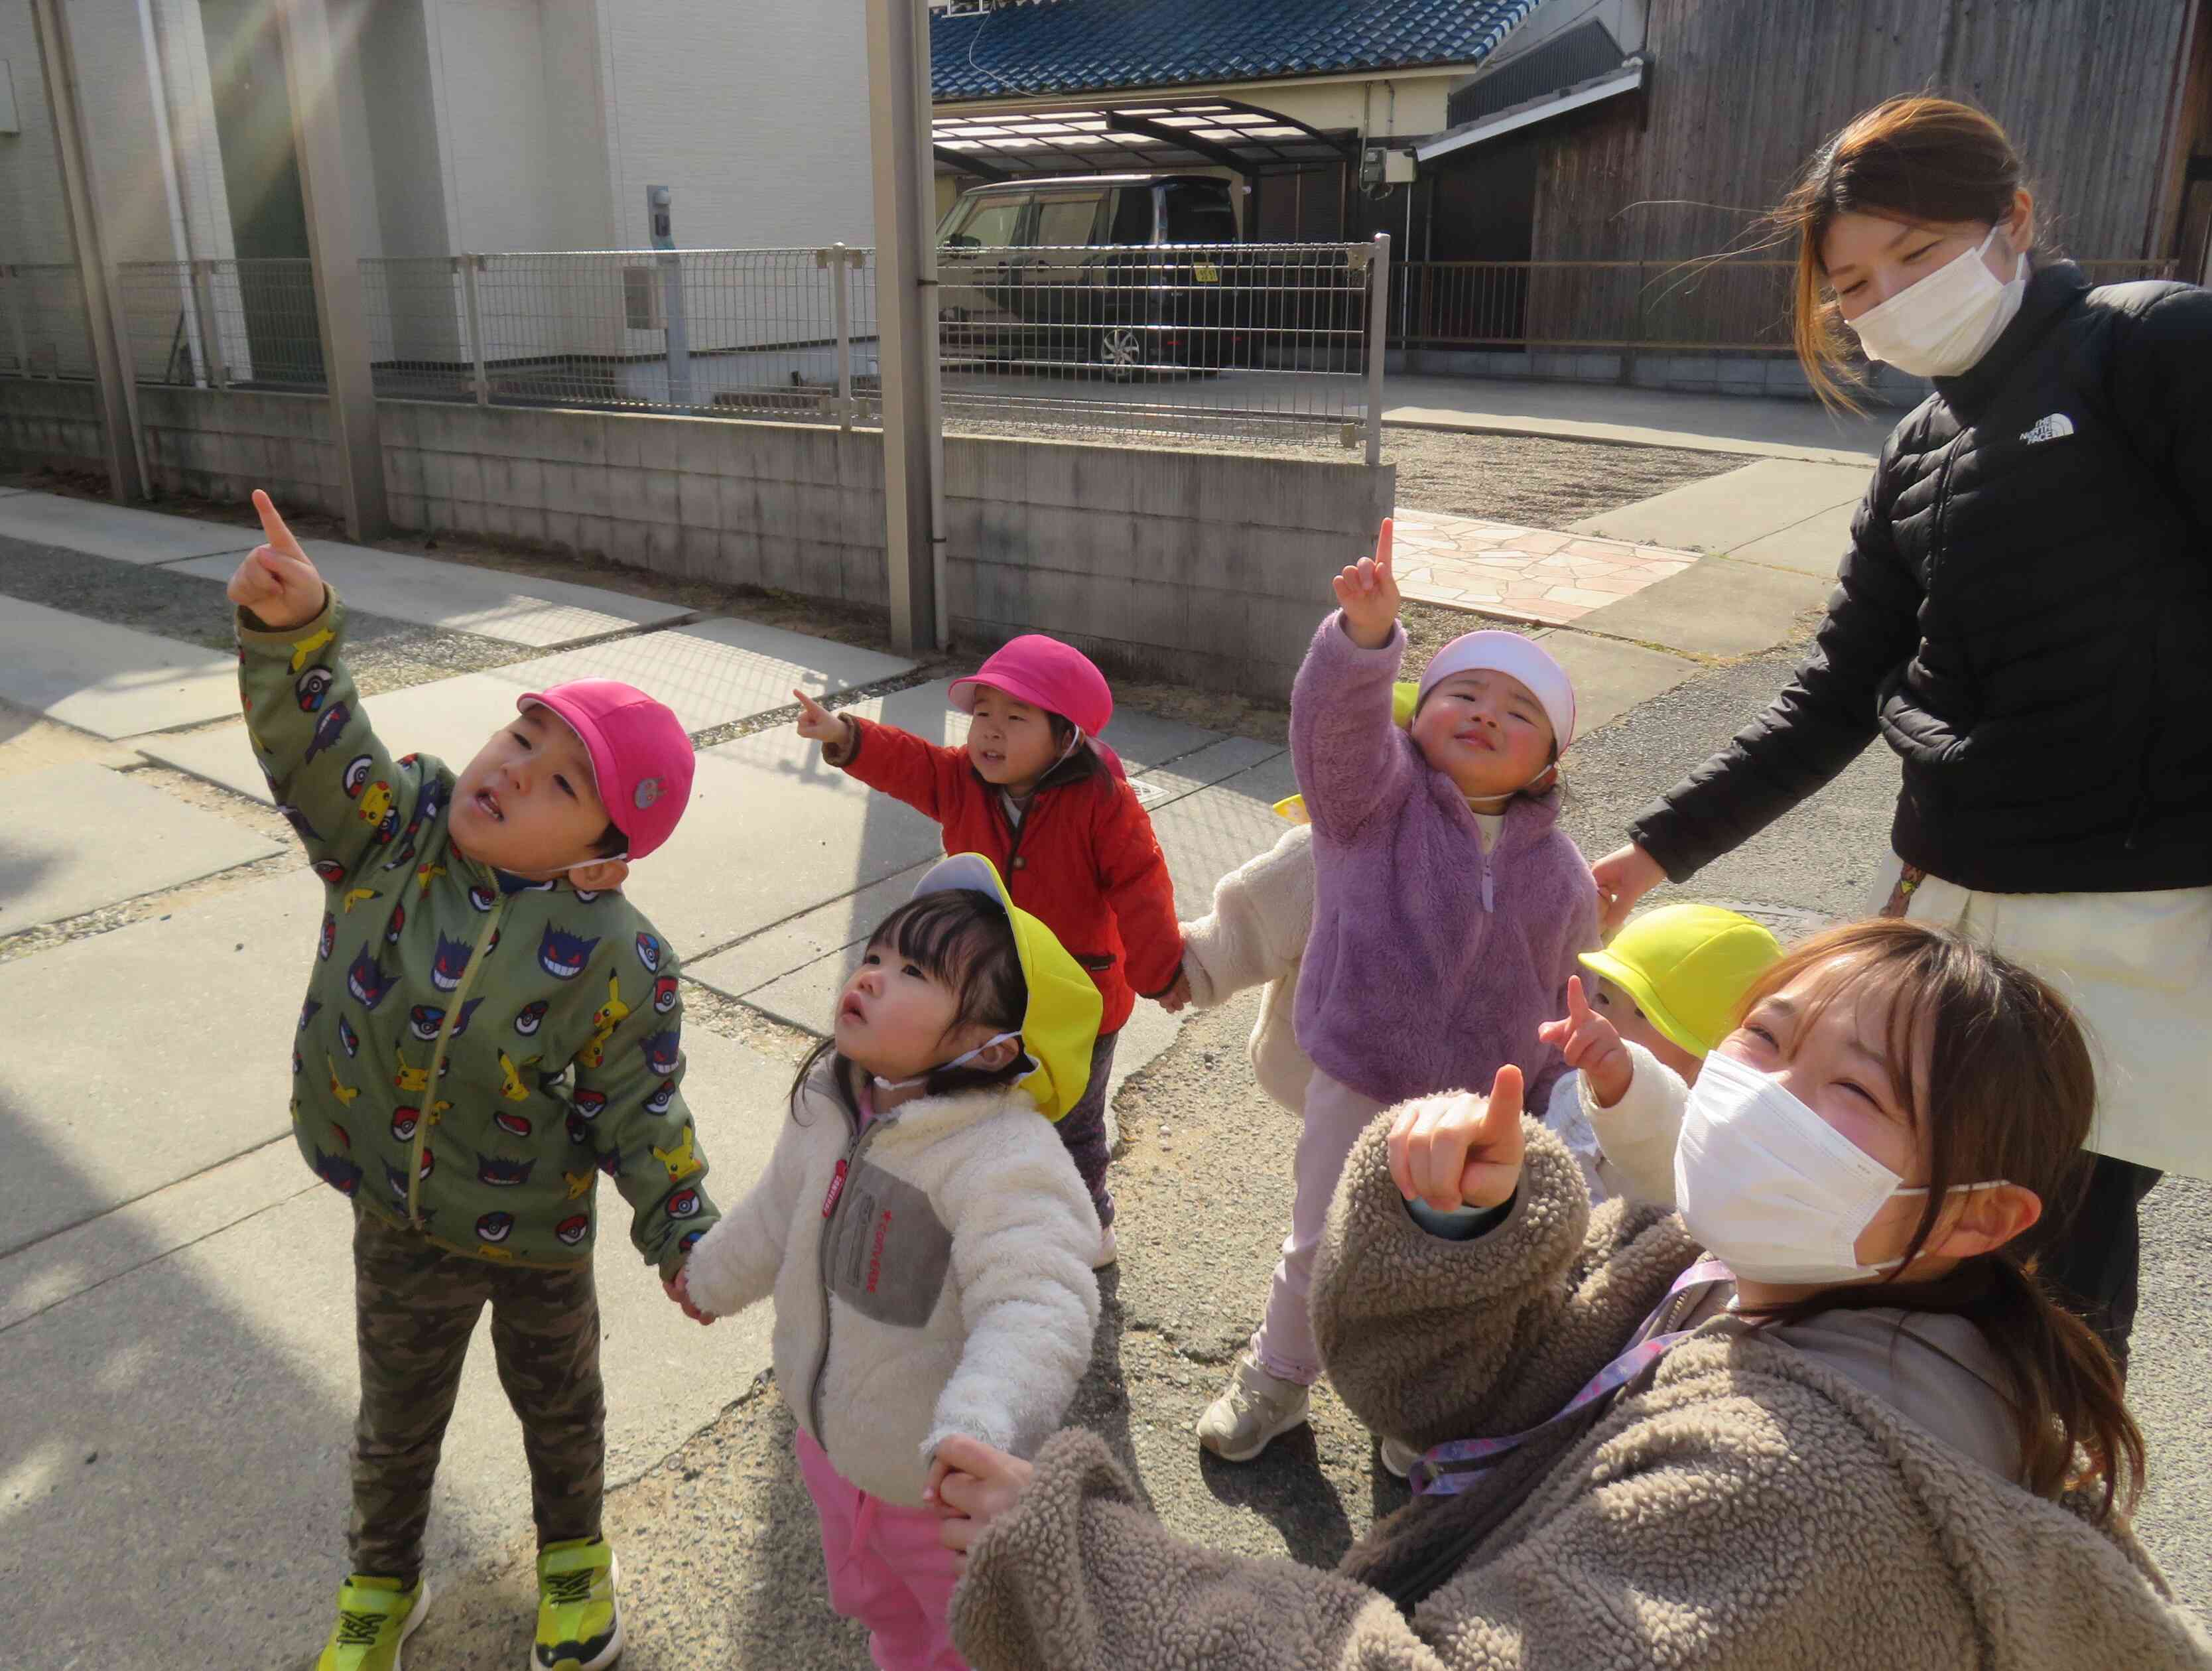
(1335, 1114)
(887, 1570)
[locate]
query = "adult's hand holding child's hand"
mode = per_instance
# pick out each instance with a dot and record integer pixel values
(971, 1485)
(1591, 1047)
(1367, 592)
(1461, 1150)
(277, 583)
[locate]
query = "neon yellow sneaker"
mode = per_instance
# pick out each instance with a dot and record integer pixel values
(579, 1626)
(374, 1617)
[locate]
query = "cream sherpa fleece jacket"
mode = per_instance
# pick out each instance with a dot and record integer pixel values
(932, 1276)
(1255, 935)
(1744, 1507)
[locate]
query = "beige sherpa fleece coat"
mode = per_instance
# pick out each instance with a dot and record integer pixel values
(932, 1275)
(1255, 935)
(1745, 1508)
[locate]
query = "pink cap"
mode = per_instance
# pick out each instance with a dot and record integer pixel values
(641, 756)
(1045, 673)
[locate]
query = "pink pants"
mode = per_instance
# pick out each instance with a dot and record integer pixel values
(1335, 1115)
(887, 1570)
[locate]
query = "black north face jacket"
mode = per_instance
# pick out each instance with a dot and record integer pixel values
(2024, 615)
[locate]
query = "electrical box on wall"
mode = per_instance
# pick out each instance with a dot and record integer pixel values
(659, 217)
(1371, 164)
(1398, 168)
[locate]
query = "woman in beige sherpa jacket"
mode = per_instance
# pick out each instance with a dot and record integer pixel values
(1761, 1498)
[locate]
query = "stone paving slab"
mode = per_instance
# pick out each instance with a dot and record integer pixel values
(711, 673)
(773, 832)
(147, 1054)
(516, 608)
(79, 836)
(116, 531)
(107, 679)
(1723, 514)
(216, 1384)
(1530, 574)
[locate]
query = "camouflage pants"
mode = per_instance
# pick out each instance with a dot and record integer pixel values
(415, 1307)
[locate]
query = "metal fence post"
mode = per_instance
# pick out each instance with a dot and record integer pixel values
(470, 266)
(14, 289)
(217, 368)
(1378, 331)
(833, 259)
(676, 329)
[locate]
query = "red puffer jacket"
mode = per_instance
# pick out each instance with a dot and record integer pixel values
(1084, 862)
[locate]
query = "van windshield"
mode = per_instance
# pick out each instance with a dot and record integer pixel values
(989, 223)
(1197, 215)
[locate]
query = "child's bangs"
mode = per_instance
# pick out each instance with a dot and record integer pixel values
(944, 935)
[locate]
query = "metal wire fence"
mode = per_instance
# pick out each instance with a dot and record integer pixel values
(1694, 305)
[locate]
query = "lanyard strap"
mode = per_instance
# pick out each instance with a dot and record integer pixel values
(1454, 1467)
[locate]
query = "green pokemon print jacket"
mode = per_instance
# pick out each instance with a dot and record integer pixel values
(474, 1050)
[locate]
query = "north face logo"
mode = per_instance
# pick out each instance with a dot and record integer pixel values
(2048, 429)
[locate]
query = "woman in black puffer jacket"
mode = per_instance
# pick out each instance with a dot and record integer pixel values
(2024, 615)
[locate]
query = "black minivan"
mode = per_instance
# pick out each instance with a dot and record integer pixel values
(1091, 269)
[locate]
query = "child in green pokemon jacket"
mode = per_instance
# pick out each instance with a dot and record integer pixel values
(488, 1025)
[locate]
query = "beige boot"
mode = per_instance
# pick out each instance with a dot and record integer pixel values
(1253, 1411)
(1398, 1458)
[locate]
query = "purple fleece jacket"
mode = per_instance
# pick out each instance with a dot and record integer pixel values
(1410, 984)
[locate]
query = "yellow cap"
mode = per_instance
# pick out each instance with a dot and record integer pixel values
(1061, 1026)
(1688, 967)
(1405, 697)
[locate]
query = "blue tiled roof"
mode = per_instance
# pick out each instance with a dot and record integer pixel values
(1054, 47)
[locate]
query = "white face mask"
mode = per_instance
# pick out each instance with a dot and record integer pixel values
(961, 1061)
(1772, 1188)
(1944, 324)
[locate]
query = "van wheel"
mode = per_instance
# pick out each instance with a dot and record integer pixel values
(1122, 352)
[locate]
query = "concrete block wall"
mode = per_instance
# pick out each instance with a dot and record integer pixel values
(796, 507)
(1209, 569)
(223, 444)
(49, 423)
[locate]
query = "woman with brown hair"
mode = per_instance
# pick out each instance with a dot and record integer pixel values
(2024, 615)
(1822, 1416)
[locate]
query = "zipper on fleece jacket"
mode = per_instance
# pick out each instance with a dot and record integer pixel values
(832, 1210)
(453, 1010)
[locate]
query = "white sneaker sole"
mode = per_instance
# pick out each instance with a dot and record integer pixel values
(1304, 1414)
(414, 1619)
(608, 1654)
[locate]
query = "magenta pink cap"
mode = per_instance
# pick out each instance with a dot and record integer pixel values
(1045, 673)
(641, 756)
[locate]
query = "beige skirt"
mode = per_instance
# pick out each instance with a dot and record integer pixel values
(2137, 969)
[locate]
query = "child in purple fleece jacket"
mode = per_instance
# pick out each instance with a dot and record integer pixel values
(1449, 912)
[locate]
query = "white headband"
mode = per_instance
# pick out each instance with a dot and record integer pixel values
(1495, 652)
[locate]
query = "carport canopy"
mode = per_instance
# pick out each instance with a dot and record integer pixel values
(1131, 136)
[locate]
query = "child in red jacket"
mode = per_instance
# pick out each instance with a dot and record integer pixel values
(1037, 794)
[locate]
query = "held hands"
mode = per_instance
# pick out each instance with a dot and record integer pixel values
(971, 1485)
(816, 723)
(1623, 878)
(1176, 996)
(277, 583)
(1590, 1045)
(678, 1288)
(1461, 1150)
(1367, 592)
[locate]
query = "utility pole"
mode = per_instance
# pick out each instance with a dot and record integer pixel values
(341, 308)
(906, 318)
(113, 373)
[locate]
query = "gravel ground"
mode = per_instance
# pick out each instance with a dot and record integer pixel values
(384, 654)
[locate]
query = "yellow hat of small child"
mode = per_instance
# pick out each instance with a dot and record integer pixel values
(1405, 697)
(1688, 967)
(1060, 1024)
